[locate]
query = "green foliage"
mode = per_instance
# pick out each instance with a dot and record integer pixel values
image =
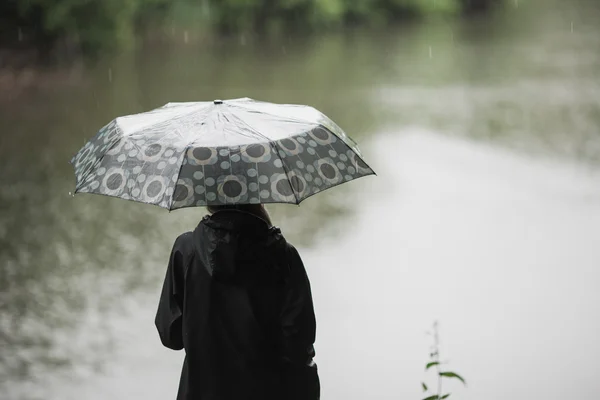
(92, 25)
(431, 364)
(95, 25)
(453, 375)
(470, 6)
(435, 361)
(436, 397)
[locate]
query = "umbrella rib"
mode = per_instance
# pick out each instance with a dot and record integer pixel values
(287, 118)
(287, 174)
(84, 180)
(185, 150)
(241, 121)
(273, 144)
(166, 122)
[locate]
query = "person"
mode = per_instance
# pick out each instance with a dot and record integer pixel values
(237, 298)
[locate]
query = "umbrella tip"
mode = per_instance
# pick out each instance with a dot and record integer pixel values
(218, 101)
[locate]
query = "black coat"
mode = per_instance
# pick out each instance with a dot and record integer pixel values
(237, 298)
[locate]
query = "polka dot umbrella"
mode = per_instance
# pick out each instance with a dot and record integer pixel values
(216, 153)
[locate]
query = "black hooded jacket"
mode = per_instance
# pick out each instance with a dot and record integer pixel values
(237, 298)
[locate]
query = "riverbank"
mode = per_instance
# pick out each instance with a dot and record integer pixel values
(96, 26)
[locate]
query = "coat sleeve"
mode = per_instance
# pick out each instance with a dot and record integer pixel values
(168, 319)
(301, 380)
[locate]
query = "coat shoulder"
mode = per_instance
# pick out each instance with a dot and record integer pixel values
(292, 256)
(185, 243)
(291, 249)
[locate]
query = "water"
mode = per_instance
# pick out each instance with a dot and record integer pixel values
(485, 213)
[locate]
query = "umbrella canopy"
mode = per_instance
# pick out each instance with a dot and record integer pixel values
(237, 151)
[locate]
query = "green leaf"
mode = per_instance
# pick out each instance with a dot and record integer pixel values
(424, 386)
(453, 375)
(445, 396)
(431, 364)
(434, 397)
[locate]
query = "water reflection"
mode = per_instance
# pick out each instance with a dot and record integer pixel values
(66, 258)
(521, 79)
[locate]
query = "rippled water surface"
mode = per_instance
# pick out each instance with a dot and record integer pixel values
(485, 213)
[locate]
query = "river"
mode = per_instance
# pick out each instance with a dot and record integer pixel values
(485, 214)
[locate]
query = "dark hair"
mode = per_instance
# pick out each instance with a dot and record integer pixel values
(257, 209)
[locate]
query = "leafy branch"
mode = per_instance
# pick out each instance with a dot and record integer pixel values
(436, 364)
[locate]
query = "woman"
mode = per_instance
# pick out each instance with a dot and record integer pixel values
(237, 298)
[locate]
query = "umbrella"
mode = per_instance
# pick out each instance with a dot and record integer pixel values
(238, 151)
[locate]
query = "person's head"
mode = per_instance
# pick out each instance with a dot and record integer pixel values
(257, 209)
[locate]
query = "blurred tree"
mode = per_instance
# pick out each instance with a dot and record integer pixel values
(470, 6)
(91, 25)
(95, 25)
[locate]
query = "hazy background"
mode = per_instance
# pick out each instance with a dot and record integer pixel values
(481, 119)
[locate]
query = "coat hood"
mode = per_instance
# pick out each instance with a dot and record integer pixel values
(235, 245)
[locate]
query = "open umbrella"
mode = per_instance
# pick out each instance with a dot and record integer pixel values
(237, 151)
